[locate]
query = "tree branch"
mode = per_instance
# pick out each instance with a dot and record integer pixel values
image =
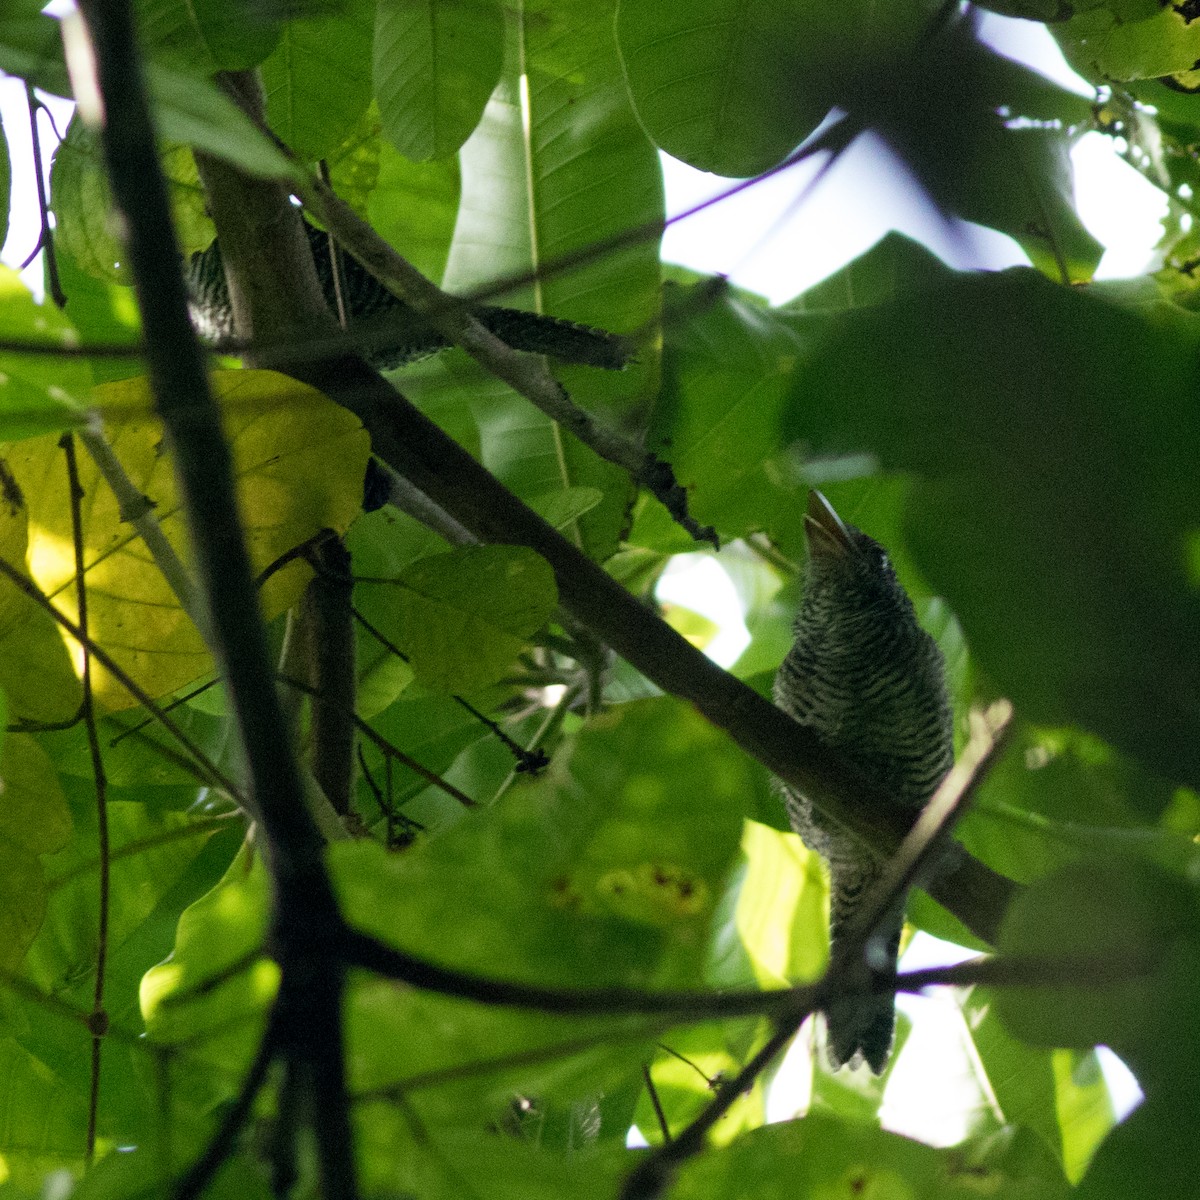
(307, 1012)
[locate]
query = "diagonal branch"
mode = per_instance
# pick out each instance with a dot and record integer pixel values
(261, 231)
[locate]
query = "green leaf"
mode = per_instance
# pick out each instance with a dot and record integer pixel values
(462, 617)
(31, 47)
(435, 67)
(824, 1156)
(733, 87)
(299, 461)
(219, 933)
(728, 367)
(478, 1162)
(893, 265)
(41, 1132)
(1012, 171)
(205, 35)
(38, 393)
(604, 871)
(1058, 1094)
(776, 932)
(545, 178)
(1136, 41)
(316, 81)
(196, 113)
(34, 820)
(1050, 431)
(414, 206)
(5, 184)
(87, 227)
(1115, 913)
(159, 864)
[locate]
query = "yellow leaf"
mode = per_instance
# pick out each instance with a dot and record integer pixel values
(299, 461)
(35, 669)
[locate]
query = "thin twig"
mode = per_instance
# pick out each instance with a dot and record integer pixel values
(209, 769)
(45, 241)
(138, 510)
(652, 1175)
(98, 1021)
(663, 1127)
(381, 743)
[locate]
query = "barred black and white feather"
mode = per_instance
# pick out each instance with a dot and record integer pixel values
(869, 682)
(398, 335)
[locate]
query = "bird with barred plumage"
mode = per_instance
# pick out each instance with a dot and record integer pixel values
(398, 335)
(870, 683)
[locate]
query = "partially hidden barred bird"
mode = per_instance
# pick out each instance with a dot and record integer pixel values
(398, 334)
(870, 683)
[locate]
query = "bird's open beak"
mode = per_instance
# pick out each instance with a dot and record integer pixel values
(827, 534)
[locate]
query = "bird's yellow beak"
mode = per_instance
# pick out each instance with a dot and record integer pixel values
(826, 532)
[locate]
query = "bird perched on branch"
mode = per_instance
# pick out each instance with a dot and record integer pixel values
(398, 334)
(870, 683)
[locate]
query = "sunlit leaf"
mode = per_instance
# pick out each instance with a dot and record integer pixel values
(299, 462)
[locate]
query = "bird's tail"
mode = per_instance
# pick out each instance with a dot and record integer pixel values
(860, 1028)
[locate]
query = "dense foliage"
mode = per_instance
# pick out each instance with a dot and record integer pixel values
(1024, 443)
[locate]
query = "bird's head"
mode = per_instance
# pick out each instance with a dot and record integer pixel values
(846, 565)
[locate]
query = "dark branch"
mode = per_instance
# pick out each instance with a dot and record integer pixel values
(306, 1019)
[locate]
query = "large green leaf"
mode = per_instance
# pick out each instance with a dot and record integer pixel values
(1141, 921)
(217, 1029)
(87, 227)
(41, 1133)
(436, 64)
(605, 871)
(317, 81)
(989, 140)
(31, 48)
(205, 35)
(557, 166)
(1052, 433)
(728, 365)
(414, 206)
(34, 820)
(732, 87)
(159, 863)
